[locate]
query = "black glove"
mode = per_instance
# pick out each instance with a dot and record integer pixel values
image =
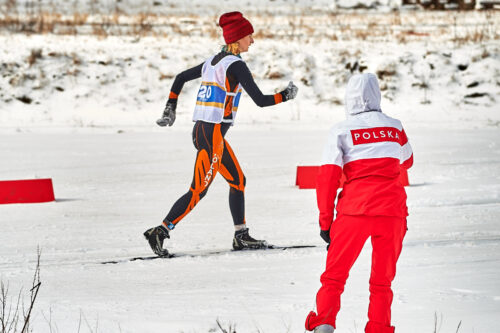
(325, 234)
(168, 116)
(290, 92)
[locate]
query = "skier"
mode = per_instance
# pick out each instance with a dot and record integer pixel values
(370, 148)
(223, 77)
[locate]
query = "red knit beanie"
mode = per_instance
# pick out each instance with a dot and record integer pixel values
(234, 26)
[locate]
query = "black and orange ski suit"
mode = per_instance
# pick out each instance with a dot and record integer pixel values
(215, 155)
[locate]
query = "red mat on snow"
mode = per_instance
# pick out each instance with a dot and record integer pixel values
(306, 177)
(26, 191)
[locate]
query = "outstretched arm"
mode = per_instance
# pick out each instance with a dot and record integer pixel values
(168, 116)
(239, 72)
(183, 77)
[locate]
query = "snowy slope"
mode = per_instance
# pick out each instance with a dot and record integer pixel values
(87, 82)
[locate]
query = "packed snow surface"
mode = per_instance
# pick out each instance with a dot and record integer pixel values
(110, 187)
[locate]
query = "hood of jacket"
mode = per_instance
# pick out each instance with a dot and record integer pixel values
(362, 94)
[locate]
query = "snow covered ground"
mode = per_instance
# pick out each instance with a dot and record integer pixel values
(110, 187)
(81, 110)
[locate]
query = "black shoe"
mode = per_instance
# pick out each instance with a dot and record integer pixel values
(242, 240)
(155, 237)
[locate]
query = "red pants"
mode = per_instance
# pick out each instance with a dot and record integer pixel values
(348, 235)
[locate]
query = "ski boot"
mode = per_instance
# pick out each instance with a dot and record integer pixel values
(243, 241)
(324, 329)
(155, 237)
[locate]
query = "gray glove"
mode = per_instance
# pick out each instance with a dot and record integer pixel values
(168, 116)
(290, 92)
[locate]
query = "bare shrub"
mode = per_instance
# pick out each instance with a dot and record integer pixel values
(386, 70)
(34, 55)
(143, 25)
(15, 314)
(165, 76)
(401, 38)
(485, 54)
(79, 18)
(48, 22)
(99, 30)
(275, 75)
(76, 59)
(25, 99)
(230, 328)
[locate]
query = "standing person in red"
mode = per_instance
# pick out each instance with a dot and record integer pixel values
(224, 75)
(370, 148)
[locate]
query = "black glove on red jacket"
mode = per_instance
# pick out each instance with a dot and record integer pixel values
(325, 234)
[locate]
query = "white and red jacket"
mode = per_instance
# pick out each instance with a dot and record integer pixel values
(370, 148)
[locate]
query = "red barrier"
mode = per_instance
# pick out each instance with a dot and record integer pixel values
(306, 177)
(26, 191)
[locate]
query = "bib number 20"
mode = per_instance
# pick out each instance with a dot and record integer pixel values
(205, 92)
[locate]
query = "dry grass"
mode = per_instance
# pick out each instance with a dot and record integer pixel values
(404, 26)
(165, 76)
(275, 75)
(34, 55)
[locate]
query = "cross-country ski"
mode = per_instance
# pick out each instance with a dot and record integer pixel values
(210, 253)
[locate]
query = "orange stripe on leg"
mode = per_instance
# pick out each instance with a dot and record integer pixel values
(225, 173)
(189, 208)
(217, 144)
(201, 166)
(241, 176)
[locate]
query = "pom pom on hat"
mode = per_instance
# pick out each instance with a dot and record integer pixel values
(234, 26)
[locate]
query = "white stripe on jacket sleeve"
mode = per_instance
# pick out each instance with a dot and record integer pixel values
(333, 154)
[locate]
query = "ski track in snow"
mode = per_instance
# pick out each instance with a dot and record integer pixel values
(110, 187)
